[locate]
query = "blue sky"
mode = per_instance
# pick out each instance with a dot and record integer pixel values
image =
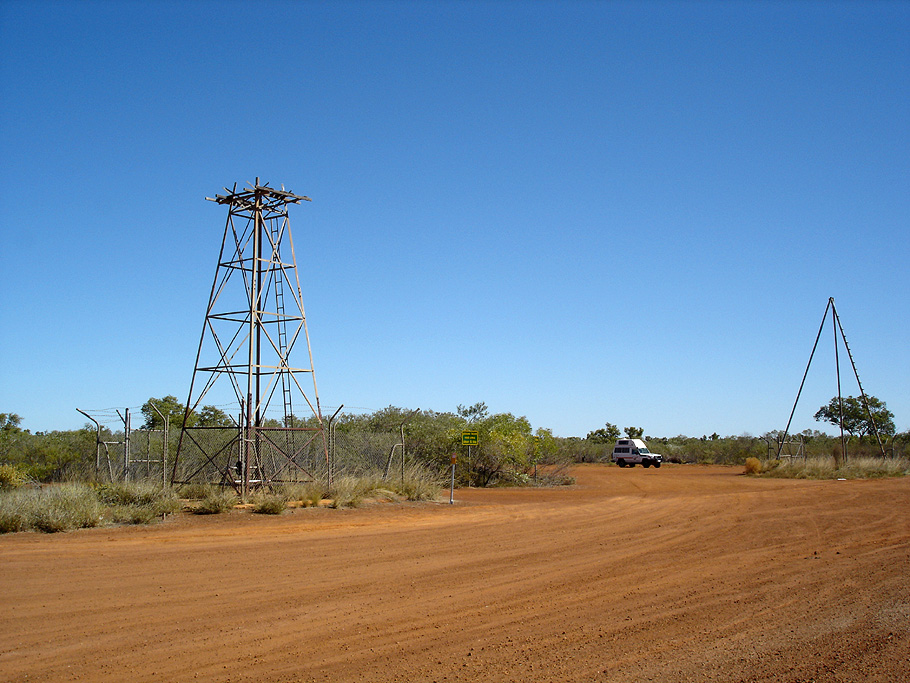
(579, 212)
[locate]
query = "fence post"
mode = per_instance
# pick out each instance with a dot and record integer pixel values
(164, 449)
(330, 475)
(126, 443)
(97, 440)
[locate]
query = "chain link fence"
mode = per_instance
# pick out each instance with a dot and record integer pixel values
(216, 455)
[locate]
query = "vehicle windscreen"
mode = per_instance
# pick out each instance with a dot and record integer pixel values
(644, 451)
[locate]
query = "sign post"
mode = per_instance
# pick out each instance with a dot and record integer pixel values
(469, 437)
(452, 489)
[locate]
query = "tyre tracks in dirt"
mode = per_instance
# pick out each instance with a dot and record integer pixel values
(677, 574)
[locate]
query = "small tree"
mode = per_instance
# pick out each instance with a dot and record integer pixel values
(210, 416)
(9, 422)
(545, 447)
(857, 421)
(173, 410)
(170, 407)
(474, 413)
(634, 432)
(606, 434)
(504, 448)
(9, 431)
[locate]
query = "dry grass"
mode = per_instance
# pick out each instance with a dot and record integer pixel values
(307, 494)
(418, 483)
(349, 492)
(216, 502)
(137, 502)
(76, 506)
(57, 508)
(269, 503)
(829, 468)
(145, 495)
(197, 491)
(753, 466)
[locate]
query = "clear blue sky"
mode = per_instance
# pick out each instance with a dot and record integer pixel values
(579, 212)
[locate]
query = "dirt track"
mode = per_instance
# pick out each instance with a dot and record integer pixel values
(678, 574)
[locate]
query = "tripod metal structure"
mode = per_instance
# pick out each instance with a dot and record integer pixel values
(838, 328)
(254, 320)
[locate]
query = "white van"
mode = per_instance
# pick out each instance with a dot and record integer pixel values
(630, 452)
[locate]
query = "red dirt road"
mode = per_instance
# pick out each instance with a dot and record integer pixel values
(680, 574)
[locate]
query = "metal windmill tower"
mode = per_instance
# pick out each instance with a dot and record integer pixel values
(254, 320)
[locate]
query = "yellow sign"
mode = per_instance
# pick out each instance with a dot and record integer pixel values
(469, 438)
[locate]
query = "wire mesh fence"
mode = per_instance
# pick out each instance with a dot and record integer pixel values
(279, 455)
(143, 456)
(268, 456)
(357, 452)
(218, 455)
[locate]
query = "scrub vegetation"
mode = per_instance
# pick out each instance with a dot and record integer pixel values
(49, 481)
(64, 507)
(829, 468)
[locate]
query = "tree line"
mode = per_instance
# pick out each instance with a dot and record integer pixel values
(508, 451)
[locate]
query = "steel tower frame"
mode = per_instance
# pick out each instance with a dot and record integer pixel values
(837, 328)
(247, 339)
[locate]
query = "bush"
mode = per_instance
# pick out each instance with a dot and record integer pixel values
(11, 477)
(753, 466)
(216, 502)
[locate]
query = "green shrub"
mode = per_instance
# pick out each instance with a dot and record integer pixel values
(11, 477)
(216, 502)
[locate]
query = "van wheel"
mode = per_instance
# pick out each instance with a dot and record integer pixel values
(646, 464)
(657, 464)
(621, 463)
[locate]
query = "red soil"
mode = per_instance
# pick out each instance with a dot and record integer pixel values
(678, 574)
